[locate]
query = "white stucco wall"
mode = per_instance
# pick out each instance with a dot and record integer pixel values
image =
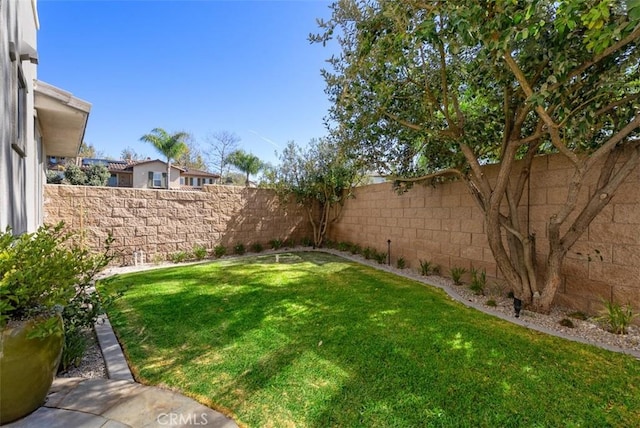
(21, 175)
(141, 174)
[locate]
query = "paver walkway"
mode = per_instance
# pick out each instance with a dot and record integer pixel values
(78, 402)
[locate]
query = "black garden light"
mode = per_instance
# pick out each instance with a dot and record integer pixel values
(517, 306)
(389, 252)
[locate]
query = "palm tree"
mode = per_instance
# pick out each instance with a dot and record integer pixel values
(245, 162)
(170, 145)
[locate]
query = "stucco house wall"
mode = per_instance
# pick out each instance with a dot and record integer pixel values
(141, 174)
(20, 151)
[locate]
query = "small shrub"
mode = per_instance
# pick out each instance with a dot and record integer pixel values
(578, 315)
(328, 243)
(380, 257)
(510, 295)
(289, 243)
(307, 242)
(429, 268)
(356, 249)
(199, 252)
(219, 251)
(368, 252)
(179, 256)
(401, 263)
(478, 281)
(616, 318)
(344, 246)
(257, 247)
(456, 274)
(566, 322)
(275, 244)
(491, 303)
(75, 345)
(157, 259)
(239, 249)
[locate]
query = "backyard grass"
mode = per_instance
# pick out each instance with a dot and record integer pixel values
(317, 341)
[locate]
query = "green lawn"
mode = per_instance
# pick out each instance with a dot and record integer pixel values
(317, 341)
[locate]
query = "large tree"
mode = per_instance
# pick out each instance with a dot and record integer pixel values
(439, 88)
(219, 145)
(319, 178)
(248, 163)
(170, 145)
(191, 157)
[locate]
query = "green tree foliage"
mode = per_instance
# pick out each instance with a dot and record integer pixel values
(248, 163)
(435, 89)
(74, 175)
(319, 178)
(97, 175)
(54, 177)
(171, 146)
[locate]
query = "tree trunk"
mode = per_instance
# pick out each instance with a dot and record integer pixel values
(552, 282)
(168, 173)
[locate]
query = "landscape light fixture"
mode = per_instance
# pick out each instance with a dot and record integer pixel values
(517, 306)
(389, 252)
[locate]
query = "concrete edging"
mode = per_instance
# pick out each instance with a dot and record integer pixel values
(114, 360)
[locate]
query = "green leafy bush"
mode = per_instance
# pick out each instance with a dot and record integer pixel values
(428, 268)
(401, 263)
(219, 251)
(50, 272)
(616, 318)
(368, 252)
(179, 256)
(41, 272)
(306, 242)
(199, 252)
(478, 281)
(239, 249)
(344, 246)
(456, 274)
(380, 257)
(257, 247)
(275, 244)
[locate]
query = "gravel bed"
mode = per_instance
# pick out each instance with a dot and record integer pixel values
(585, 331)
(92, 364)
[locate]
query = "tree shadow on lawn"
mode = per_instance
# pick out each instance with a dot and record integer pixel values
(354, 351)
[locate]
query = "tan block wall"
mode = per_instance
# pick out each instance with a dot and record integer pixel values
(442, 224)
(162, 222)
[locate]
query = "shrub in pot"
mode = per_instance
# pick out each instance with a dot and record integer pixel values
(40, 274)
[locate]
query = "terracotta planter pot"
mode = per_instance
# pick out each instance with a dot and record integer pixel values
(27, 369)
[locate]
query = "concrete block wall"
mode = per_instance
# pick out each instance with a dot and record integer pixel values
(442, 224)
(161, 222)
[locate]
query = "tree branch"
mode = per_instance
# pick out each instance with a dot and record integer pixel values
(635, 34)
(544, 115)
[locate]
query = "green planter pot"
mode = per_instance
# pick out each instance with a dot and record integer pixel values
(27, 368)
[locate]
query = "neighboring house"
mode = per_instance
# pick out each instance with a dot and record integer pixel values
(146, 174)
(36, 119)
(152, 174)
(196, 179)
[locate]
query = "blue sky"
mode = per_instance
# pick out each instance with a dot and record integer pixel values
(196, 66)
